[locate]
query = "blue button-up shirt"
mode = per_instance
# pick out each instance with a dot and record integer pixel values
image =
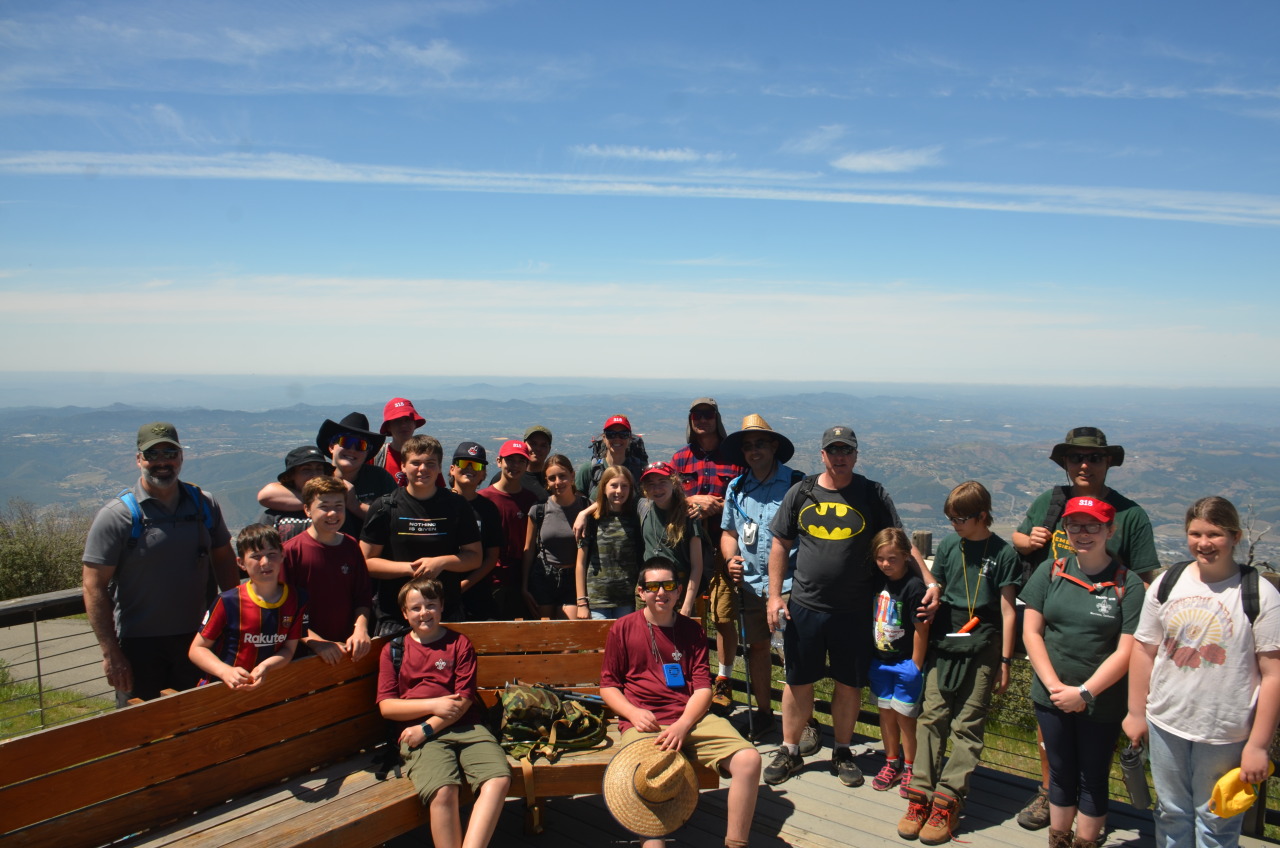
(750, 500)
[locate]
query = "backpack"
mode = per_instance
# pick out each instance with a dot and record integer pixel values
(599, 456)
(1117, 582)
(1053, 514)
(139, 522)
(1248, 587)
(538, 720)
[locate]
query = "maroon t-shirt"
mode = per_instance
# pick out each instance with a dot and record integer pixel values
(446, 666)
(335, 579)
(629, 664)
(514, 511)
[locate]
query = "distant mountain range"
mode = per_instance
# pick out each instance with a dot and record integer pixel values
(917, 440)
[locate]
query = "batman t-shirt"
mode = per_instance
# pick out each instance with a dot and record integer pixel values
(834, 568)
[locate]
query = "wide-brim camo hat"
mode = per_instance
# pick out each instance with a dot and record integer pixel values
(1086, 439)
(753, 423)
(651, 792)
(355, 424)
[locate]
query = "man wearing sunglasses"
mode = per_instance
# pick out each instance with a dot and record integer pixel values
(706, 471)
(1086, 457)
(147, 579)
(656, 678)
(347, 443)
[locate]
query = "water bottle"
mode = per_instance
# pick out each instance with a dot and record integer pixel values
(1135, 776)
(776, 640)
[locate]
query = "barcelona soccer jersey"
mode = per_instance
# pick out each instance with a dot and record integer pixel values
(246, 630)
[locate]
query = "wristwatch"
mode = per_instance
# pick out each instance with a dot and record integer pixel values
(428, 730)
(1086, 695)
(932, 585)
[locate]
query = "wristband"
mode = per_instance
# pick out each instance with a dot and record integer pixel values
(1007, 660)
(933, 585)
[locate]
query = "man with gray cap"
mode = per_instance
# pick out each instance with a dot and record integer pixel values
(149, 567)
(832, 517)
(706, 471)
(1086, 457)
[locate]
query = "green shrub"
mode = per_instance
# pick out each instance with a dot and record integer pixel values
(40, 548)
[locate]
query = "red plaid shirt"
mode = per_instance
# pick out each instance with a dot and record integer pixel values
(704, 472)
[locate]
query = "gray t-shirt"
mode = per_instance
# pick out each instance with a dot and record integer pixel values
(559, 547)
(834, 568)
(164, 581)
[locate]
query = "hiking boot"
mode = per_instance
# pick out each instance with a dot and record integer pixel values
(1084, 843)
(843, 767)
(783, 766)
(917, 811)
(942, 820)
(762, 724)
(1035, 815)
(890, 773)
(721, 696)
(810, 739)
(906, 780)
(1061, 839)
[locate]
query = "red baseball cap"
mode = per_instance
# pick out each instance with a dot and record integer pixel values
(664, 468)
(514, 447)
(617, 421)
(399, 408)
(1092, 507)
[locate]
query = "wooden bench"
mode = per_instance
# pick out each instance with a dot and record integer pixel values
(291, 763)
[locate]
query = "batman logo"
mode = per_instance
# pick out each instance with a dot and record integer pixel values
(831, 521)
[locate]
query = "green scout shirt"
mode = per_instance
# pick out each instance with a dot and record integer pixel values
(1133, 542)
(1082, 629)
(983, 567)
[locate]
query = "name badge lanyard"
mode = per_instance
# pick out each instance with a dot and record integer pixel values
(971, 601)
(672, 672)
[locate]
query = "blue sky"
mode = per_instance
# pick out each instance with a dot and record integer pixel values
(1080, 194)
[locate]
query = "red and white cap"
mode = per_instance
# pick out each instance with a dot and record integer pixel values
(514, 447)
(617, 421)
(664, 468)
(399, 408)
(1095, 508)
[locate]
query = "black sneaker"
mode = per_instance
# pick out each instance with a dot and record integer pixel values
(843, 767)
(783, 766)
(810, 739)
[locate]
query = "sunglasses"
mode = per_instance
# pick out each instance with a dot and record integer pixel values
(655, 585)
(152, 454)
(1091, 458)
(1091, 528)
(762, 444)
(702, 414)
(960, 519)
(617, 434)
(839, 450)
(469, 464)
(349, 442)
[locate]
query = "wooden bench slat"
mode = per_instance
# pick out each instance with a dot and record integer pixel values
(59, 747)
(185, 753)
(175, 798)
(511, 637)
(554, 669)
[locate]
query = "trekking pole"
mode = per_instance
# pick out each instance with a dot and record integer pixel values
(746, 657)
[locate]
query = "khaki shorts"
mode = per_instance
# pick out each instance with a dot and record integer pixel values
(452, 755)
(725, 601)
(711, 742)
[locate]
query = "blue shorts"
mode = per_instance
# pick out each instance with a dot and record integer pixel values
(897, 685)
(812, 638)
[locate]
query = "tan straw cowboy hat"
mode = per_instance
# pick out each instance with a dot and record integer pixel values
(649, 791)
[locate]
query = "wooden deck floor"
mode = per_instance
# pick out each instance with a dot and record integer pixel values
(814, 810)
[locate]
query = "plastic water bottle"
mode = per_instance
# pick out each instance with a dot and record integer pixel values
(1135, 776)
(776, 640)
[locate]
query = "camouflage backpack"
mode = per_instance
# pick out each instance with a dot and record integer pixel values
(535, 720)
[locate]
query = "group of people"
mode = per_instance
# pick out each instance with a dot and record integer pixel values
(362, 537)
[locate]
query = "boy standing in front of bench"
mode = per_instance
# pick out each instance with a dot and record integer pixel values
(254, 627)
(656, 678)
(432, 694)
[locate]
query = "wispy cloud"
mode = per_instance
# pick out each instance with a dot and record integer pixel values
(889, 160)
(1229, 208)
(647, 154)
(818, 141)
